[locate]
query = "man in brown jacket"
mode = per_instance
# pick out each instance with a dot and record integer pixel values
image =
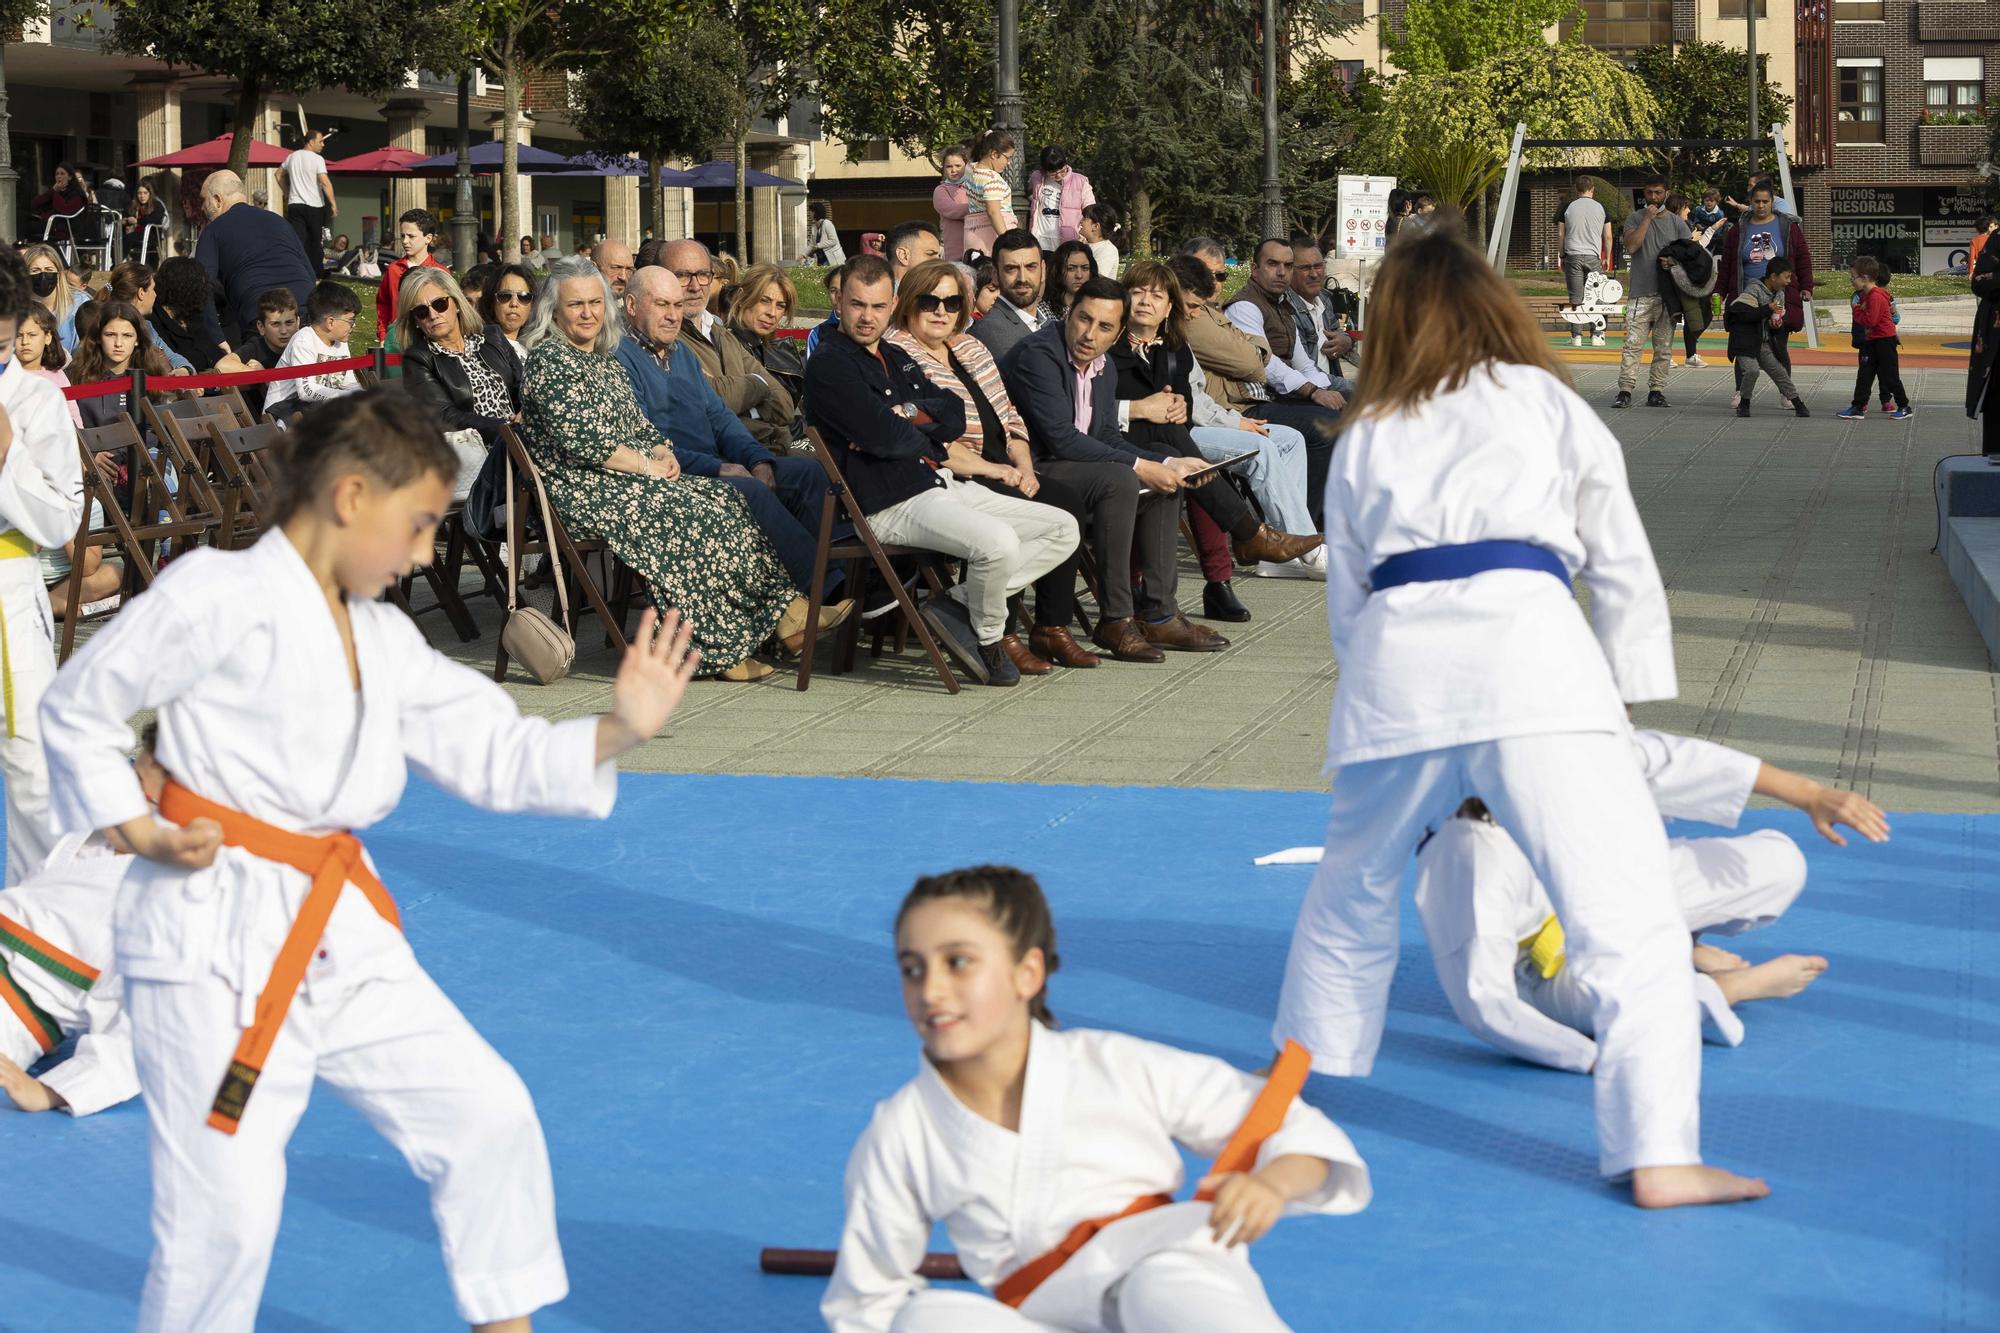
(762, 404)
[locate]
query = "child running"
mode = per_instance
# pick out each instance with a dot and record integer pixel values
(1471, 485)
(259, 952)
(1050, 1156)
(1875, 338)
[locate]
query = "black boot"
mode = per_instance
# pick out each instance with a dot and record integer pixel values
(1219, 602)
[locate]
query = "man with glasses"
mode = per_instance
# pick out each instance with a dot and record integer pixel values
(1319, 317)
(1020, 311)
(732, 372)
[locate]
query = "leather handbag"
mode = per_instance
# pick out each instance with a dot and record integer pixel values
(530, 637)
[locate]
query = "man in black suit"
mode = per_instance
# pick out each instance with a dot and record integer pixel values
(1020, 311)
(1125, 497)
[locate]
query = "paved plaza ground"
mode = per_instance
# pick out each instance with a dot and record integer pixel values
(1813, 627)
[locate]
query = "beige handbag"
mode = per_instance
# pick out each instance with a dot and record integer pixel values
(530, 637)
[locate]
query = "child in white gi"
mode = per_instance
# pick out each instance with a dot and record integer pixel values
(1498, 949)
(55, 959)
(41, 505)
(1014, 1133)
(259, 952)
(1471, 484)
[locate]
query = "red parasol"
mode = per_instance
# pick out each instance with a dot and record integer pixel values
(390, 161)
(215, 153)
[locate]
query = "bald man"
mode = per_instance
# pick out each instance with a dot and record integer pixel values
(246, 251)
(614, 261)
(734, 374)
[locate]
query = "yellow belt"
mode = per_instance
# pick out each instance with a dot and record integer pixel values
(14, 545)
(1545, 948)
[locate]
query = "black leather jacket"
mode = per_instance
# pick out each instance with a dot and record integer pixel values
(439, 380)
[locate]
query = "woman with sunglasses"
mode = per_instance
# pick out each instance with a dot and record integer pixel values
(509, 296)
(469, 376)
(933, 310)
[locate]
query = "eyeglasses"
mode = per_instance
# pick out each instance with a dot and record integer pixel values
(1219, 274)
(951, 305)
(513, 298)
(692, 274)
(437, 307)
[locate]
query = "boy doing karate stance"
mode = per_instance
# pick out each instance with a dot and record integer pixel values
(259, 951)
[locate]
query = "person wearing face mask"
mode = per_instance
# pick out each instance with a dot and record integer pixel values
(49, 283)
(951, 200)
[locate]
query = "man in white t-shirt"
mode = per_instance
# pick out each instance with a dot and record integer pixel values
(1586, 248)
(309, 201)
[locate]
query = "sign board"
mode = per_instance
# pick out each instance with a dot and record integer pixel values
(1361, 218)
(1915, 228)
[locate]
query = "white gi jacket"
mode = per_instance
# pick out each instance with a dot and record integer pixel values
(41, 483)
(1511, 454)
(69, 902)
(239, 653)
(1100, 1115)
(1478, 897)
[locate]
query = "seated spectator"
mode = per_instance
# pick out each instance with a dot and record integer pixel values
(331, 314)
(1020, 311)
(184, 317)
(1061, 380)
(765, 299)
(39, 350)
(473, 284)
(985, 288)
(136, 285)
(909, 244)
(832, 321)
(464, 369)
(510, 295)
(370, 263)
(277, 321)
(530, 254)
(723, 272)
(1156, 398)
(49, 278)
(1320, 315)
(63, 199)
(417, 231)
(929, 322)
(120, 341)
(891, 430)
(341, 257)
(649, 252)
(614, 261)
(784, 495)
(751, 393)
(610, 473)
(1072, 266)
(146, 210)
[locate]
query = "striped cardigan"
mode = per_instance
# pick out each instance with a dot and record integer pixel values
(971, 354)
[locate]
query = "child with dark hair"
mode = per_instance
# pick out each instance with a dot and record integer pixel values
(277, 322)
(293, 706)
(1016, 1134)
(1096, 228)
(1754, 319)
(1875, 338)
(417, 231)
(38, 347)
(331, 310)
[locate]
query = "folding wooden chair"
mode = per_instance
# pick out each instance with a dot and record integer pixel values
(557, 544)
(863, 546)
(229, 399)
(185, 429)
(247, 480)
(136, 526)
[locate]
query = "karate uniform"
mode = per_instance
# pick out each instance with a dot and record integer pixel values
(41, 505)
(1495, 685)
(56, 919)
(1100, 1115)
(1479, 900)
(241, 657)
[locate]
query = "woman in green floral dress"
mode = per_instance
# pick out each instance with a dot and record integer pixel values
(610, 475)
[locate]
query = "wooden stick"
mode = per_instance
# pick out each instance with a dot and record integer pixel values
(938, 1267)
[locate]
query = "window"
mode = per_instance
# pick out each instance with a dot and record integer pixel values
(868, 150)
(1954, 86)
(1626, 25)
(1350, 71)
(1860, 117)
(1857, 11)
(1735, 9)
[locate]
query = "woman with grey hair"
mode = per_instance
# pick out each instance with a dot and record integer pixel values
(610, 475)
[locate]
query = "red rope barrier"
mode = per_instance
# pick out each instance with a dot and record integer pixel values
(175, 383)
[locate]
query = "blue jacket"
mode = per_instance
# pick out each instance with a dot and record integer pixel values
(863, 406)
(683, 407)
(1042, 382)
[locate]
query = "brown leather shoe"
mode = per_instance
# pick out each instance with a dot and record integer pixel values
(1053, 643)
(1269, 544)
(1024, 660)
(1183, 636)
(1124, 640)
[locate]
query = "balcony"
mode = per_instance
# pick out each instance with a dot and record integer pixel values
(1951, 145)
(1957, 21)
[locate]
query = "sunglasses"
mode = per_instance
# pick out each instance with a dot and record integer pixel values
(514, 298)
(437, 307)
(951, 305)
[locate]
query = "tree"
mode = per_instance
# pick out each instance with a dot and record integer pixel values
(14, 15)
(778, 37)
(283, 46)
(928, 86)
(673, 101)
(1700, 87)
(1321, 119)
(1450, 36)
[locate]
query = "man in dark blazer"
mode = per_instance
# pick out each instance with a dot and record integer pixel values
(1126, 498)
(1020, 311)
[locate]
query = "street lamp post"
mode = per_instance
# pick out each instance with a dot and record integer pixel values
(464, 226)
(1007, 99)
(1274, 203)
(1750, 8)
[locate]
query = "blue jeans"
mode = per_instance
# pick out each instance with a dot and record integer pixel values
(788, 514)
(1277, 474)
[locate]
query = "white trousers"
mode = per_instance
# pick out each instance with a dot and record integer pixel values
(31, 663)
(1194, 1288)
(1577, 807)
(1007, 542)
(1277, 474)
(1724, 886)
(397, 1051)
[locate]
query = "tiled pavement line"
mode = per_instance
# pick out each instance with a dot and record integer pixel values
(1862, 735)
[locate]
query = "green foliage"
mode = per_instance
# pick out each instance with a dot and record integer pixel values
(1320, 123)
(1454, 173)
(926, 87)
(1450, 36)
(1617, 202)
(15, 14)
(1701, 87)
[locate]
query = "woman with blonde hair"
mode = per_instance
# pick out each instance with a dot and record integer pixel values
(722, 288)
(1471, 486)
(60, 294)
(464, 369)
(765, 299)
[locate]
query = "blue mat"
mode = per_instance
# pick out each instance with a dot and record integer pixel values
(705, 1007)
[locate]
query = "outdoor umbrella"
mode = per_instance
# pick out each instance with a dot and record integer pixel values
(215, 153)
(720, 176)
(391, 161)
(486, 156)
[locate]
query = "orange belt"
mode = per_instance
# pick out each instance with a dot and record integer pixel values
(333, 860)
(1288, 1075)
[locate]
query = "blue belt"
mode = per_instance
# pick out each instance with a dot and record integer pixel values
(1437, 563)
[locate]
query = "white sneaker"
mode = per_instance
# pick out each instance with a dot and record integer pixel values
(1695, 361)
(1311, 565)
(1597, 340)
(1576, 340)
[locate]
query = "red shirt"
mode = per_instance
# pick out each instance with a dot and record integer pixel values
(385, 295)
(1871, 314)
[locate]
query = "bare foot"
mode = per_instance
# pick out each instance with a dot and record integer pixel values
(1779, 979)
(1682, 1186)
(1709, 959)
